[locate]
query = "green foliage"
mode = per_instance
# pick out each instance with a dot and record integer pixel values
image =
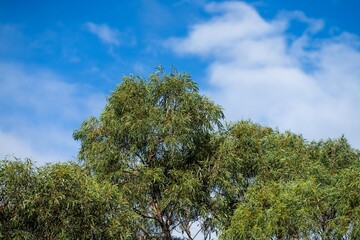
(159, 161)
(302, 191)
(153, 140)
(234, 166)
(245, 181)
(58, 201)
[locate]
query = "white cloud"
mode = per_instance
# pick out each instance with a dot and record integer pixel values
(258, 70)
(40, 110)
(105, 33)
(12, 145)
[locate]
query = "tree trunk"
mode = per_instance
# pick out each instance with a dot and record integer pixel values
(166, 233)
(165, 228)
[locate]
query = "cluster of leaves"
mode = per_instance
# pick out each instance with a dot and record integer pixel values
(59, 201)
(299, 190)
(160, 164)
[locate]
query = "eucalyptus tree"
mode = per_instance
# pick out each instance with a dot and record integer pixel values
(59, 201)
(302, 191)
(154, 140)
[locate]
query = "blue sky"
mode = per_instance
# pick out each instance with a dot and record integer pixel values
(294, 65)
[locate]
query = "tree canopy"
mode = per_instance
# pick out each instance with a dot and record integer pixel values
(301, 191)
(59, 201)
(161, 163)
(153, 140)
